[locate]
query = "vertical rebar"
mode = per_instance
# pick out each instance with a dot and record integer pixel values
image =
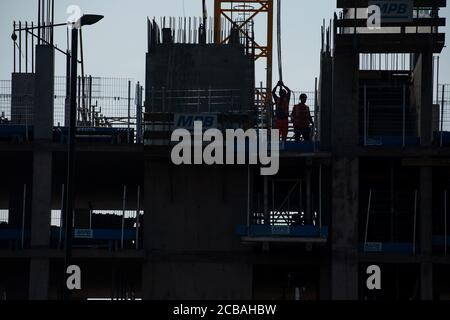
(80, 112)
(248, 200)
(26, 46)
(39, 22)
(32, 47)
(14, 47)
(404, 117)
(24, 201)
(20, 47)
(123, 215)
(266, 200)
(445, 222)
(365, 115)
(316, 116)
(129, 110)
(91, 115)
(320, 200)
(367, 219)
(138, 211)
(442, 114)
(52, 21)
(61, 217)
(273, 199)
(415, 223)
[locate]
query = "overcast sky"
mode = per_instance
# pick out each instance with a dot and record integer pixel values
(116, 46)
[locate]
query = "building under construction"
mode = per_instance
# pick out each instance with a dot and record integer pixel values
(369, 188)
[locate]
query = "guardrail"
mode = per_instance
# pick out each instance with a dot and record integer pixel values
(195, 101)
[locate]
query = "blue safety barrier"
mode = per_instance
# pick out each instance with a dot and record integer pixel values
(379, 141)
(91, 134)
(282, 231)
(444, 135)
(100, 234)
(299, 146)
(13, 234)
(439, 241)
(386, 247)
(17, 133)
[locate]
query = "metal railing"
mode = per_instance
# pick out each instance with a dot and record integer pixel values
(424, 20)
(389, 217)
(196, 101)
(442, 135)
(386, 117)
(101, 103)
(314, 110)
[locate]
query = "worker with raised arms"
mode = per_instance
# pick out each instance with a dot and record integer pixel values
(282, 109)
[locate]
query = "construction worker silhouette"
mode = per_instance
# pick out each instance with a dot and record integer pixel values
(282, 109)
(302, 120)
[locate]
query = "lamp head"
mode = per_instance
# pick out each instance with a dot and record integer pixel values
(90, 19)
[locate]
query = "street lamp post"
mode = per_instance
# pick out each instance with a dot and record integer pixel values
(72, 58)
(70, 194)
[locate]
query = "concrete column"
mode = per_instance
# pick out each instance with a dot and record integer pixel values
(44, 93)
(42, 171)
(39, 276)
(426, 232)
(344, 232)
(345, 110)
(324, 282)
(423, 96)
(40, 222)
(345, 177)
(266, 200)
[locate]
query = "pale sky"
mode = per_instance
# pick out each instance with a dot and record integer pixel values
(116, 46)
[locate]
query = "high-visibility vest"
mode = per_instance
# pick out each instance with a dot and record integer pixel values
(301, 116)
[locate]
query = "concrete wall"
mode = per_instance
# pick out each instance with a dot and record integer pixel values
(22, 98)
(187, 66)
(198, 281)
(190, 217)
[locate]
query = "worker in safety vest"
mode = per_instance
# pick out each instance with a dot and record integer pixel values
(282, 109)
(302, 120)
